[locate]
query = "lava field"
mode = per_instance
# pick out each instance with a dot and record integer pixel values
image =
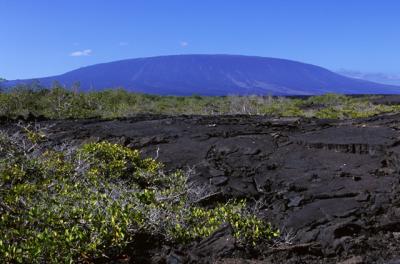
(331, 186)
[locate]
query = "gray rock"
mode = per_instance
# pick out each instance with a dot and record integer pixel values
(220, 243)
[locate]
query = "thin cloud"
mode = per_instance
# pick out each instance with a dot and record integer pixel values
(80, 53)
(184, 44)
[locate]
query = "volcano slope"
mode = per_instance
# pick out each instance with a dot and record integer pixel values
(331, 187)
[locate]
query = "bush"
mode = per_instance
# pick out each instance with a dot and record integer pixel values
(61, 103)
(50, 214)
(327, 100)
(195, 222)
(113, 162)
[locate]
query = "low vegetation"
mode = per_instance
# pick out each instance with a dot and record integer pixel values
(67, 206)
(61, 103)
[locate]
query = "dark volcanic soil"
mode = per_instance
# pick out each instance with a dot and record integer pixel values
(331, 187)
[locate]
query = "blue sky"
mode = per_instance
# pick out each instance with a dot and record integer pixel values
(47, 37)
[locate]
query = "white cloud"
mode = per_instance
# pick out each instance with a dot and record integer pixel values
(81, 53)
(184, 44)
(123, 43)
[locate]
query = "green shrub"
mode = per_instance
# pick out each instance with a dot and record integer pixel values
(196, 222)
(113, 161)
(354, 108)
(59, 103)
(50, 215)
(327, 100)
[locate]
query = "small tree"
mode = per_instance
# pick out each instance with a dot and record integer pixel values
(2, 80)
(75, 87)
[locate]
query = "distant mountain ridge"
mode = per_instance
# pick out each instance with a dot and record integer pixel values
(214, 75)
(378, 77)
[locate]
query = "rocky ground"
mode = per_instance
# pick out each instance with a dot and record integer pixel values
(332, 187)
